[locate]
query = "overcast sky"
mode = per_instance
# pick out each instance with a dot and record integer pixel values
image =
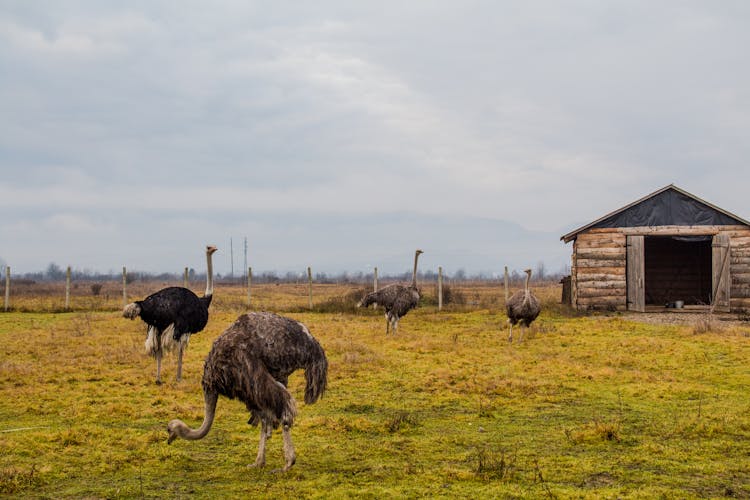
(133, 133)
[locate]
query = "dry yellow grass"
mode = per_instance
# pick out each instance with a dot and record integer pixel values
(586, 407)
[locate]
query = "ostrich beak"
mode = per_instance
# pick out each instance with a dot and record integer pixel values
(172, 434)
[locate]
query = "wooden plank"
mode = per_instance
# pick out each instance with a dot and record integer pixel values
(636, 274)
(599, 263)
(602, 253)
(595, 244)
(621, 284)
(593, 276)
(597, 240)
(672, 230)
(740, 268)
(614, 271)
(606, 293)
(721, 284)
(602, 301)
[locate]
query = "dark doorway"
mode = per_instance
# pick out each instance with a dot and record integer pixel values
(677, 268)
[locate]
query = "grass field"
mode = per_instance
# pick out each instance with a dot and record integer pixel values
(586, 407)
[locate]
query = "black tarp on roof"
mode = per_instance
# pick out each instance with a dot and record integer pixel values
(669, 206)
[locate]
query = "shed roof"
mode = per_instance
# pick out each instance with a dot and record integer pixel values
(668, 206)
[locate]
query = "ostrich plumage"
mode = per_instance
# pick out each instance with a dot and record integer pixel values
(172, 315)
(397, 299)
(522, 307)
(251, 361)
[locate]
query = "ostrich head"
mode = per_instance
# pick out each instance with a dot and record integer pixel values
(175, 429)
(210, 249)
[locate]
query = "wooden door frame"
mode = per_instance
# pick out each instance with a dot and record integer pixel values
(635, 273)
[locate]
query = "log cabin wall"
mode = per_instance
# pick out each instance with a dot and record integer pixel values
(599, 264)
(739, 270)
(598, 270)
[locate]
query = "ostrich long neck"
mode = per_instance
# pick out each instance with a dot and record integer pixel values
(208, 419)
(414, 274)
(526, 287)
(209, 276)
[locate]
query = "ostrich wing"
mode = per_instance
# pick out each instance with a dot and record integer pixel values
(174, 305)
(386, 296)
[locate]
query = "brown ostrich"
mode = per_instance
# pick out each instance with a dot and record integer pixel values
(523, 307)
(397, 299)
(251, 361)
(172, 315)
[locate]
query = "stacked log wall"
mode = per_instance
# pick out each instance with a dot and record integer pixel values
(740, 270)
(599, 260)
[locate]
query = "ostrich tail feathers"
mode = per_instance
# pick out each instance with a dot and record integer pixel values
(316, 377)
(131, 311)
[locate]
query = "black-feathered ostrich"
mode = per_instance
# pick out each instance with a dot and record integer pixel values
(397, 299)
(172, 315)
(251, 361)
(522, 307)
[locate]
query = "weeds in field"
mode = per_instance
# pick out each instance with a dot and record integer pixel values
(401, 420)
(488, 463)
(14, 480)
(706, 323)
(595, 430)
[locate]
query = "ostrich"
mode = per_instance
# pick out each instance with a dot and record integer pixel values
(251, 361)
(523, 307)
(172, 314)
(397, 299)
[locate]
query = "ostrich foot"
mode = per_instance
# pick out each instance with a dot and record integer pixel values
(159, 382)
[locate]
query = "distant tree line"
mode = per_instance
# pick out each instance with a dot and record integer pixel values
(54, 272)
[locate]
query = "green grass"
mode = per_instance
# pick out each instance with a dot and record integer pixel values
(585, 407)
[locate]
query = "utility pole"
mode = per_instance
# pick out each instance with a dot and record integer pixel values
(231, 258)
(245, 267)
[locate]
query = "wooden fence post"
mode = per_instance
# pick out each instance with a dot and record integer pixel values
(124, 287)
(67, 289)
(185, 278)
(309, 281)
(440, 288)
(7, 288)
(507, 292)
(249, 284)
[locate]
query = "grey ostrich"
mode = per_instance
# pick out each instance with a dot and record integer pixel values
(172, 315)
(522, 307)
(251, 361)
(397, 299)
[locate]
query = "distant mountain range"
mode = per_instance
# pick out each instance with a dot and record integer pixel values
(343, 243)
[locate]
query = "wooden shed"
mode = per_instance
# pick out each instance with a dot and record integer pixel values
(667, 249)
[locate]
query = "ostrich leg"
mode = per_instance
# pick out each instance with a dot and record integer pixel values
(180, 350)
(158, 368)
(510, 336)
(265, 433)
(289, 456)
